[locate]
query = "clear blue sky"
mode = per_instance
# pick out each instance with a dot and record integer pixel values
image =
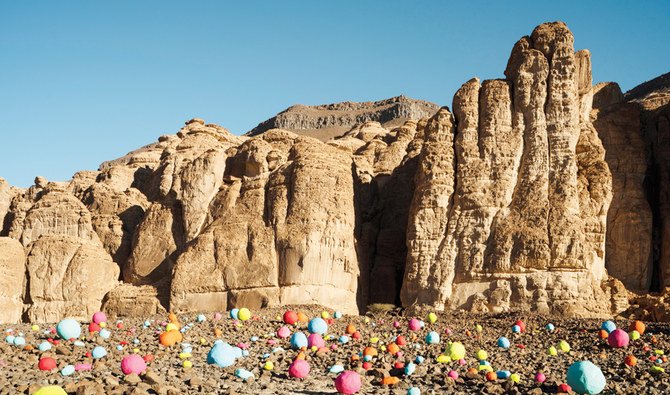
(86, 81)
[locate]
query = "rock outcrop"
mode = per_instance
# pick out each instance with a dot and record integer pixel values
(331, 120)
(538, 192)
(512, 193)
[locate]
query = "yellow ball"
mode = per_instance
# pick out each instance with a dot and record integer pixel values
(187, 364)
(456, 351)
(136, 350)
(269, 365)
(244, 314)
(479, 328)
(487, 368)
(432, 318)
(374, 340)
(552, 351)
(184, 355)
(482, 355)
(325, 315)
(367, 320)
(170, 327)
(315, 348)
(635, 335)
(102, 324)
(515, 377)
(50, 390)
(443, 359)
(383, 348)
(564, 346)
(203, 341)
(35, 328)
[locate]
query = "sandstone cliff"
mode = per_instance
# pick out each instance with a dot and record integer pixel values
(539, 191)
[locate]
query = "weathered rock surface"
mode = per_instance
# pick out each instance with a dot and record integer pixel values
(529, 195)
(511, 195)
(330, 120)
(13, 277)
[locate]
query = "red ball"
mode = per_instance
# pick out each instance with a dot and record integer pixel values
(290, 317)
(356, 335)
(522, 325)
(564, 388)
(399, 365)
(93, 327)
(400, 340)
(148, 358)
(367, 365)
(618, 338)
(47, 363)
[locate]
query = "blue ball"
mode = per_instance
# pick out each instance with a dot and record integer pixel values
(298, 340)
(317, 325)
(503, 374)
(337, 315)
(19, 341)
(68, 329)
(550, 327)
(432, 338)
(516, 329)
(418, 359)
(586, 378)
(344, 339)
(233, 313)
(105, 333)
(409, 369)
(223, 354)
(503, 342)
(10, 339)
(201, 318)
(67, 370)
(99, 352)
(414, 391)
(44, 346)
(609, 326)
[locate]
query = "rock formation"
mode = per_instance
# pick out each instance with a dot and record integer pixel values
(538, 192)
(331, 120)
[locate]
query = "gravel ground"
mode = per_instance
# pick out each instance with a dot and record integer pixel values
(526, 356)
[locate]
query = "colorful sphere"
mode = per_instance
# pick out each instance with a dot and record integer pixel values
(68, 329)
(586, 378)
(98, 352)
(432, 338)
(99, 317)
(521, 325)
(283, 332)
(223, 354)
(243, 314)
(50, 390)
(540, 377)
(299, 369)
(609, 326)
(315, 340)
(414, 324)
(290, 317)
(47, 363)
(432, 318)
(516, 329)
(234, 313)
(317, 325)
(133, 363)
(618, 338)
(298, 340)
(456, 351)
(348, 382)
(638, 326)
(564, 346)
(503, 342)
(414, 391)
(550, 327)
(453, 374)
(482, 355)
(634, 335)
(630, 360)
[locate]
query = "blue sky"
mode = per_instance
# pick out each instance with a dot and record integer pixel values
(86, 81)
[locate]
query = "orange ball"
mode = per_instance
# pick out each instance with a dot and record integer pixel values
(301, 355)
(638, 326)
(218, 332)
(351, 329)
(491, 376)
(630, 360)
(302, 317)
(170, 338)
(603, 334)
(371, 351)
(390, 380)
(172, 317)
(393, 348)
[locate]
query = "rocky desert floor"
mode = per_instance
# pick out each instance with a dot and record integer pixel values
(166, 374)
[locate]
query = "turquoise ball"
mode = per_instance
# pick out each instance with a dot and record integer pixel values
(68, 329)
(586, 378)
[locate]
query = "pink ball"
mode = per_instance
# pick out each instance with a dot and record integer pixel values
(217, 316)
(396, 324)
(99, 317)
(133, 364)
(299, 369)
(414, 324)
(618, 338)
(82, 366)
(453, 374)
(348, 382)
(462, 362)
(315, 340)
(540, 377)
(283, 332)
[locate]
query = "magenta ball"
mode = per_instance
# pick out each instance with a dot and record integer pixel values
(453, 374)
(99, 317)
(133, 364)
(540, 377)
(348, 382)
(299, 369)
(618, 338)
(315, 340)
(414, 324)
(283, 332)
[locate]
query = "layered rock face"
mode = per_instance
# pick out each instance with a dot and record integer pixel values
(512, 192)
(331, 120)
(534, 191)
